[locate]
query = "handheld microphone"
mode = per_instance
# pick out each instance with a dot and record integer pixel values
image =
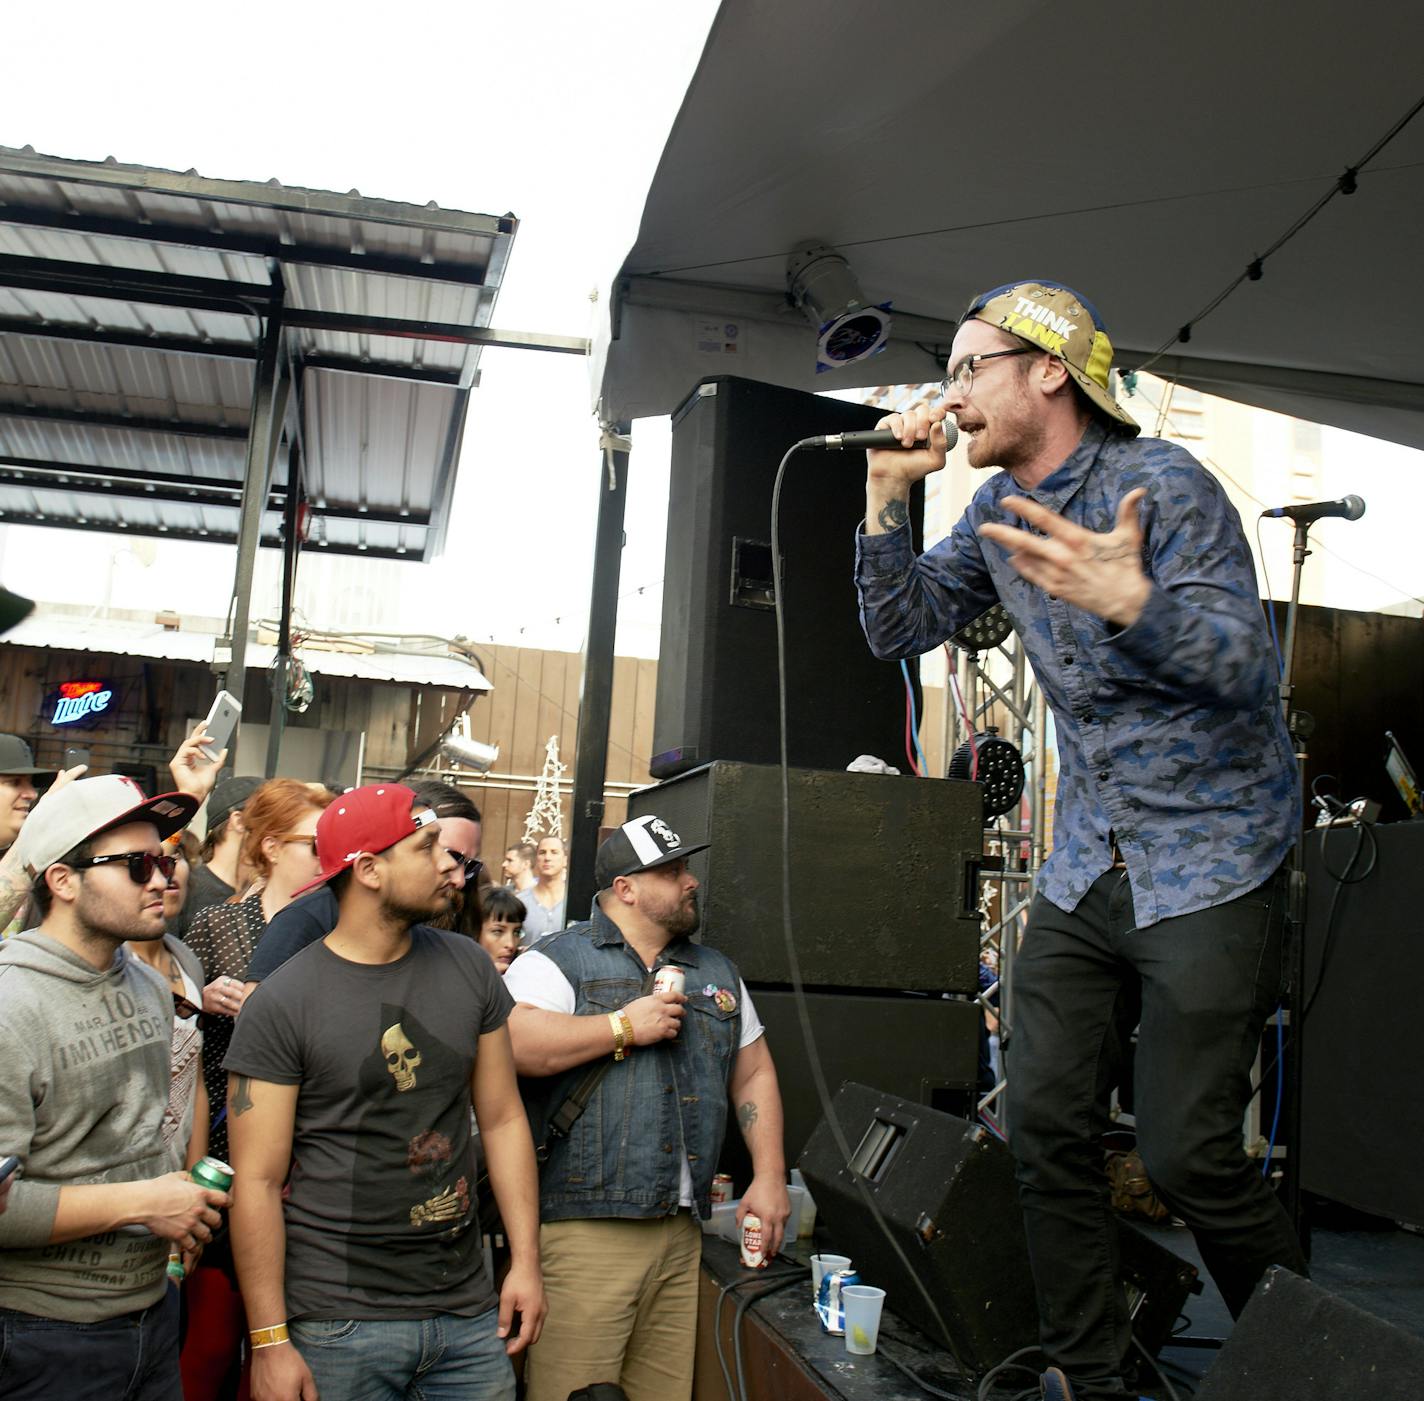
(1350, 507)
(873, 438)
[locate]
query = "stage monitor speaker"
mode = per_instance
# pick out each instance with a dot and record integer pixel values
(716, 692)
(1296, 1342)
(926, 1051)
(884, 873)
(946, 1190)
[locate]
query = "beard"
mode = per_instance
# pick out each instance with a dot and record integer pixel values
(439, 912)
(107, 919)
(683, 918)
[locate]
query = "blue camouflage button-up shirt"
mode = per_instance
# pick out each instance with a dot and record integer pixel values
(1170, 736)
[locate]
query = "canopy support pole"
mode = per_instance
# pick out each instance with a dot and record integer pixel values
(291, 548)
(596, 691)
(263, 434)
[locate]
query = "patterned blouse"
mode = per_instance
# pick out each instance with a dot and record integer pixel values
(223, 937)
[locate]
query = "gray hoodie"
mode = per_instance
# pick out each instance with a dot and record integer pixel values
(84, 1071)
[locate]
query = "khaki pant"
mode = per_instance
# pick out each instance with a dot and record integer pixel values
(622, 1308)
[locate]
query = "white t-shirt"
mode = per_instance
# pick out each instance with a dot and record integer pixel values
(534, 978)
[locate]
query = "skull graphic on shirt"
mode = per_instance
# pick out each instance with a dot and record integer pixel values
(402, 1058)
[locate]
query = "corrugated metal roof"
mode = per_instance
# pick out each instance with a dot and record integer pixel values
(121, 637)
(131, 305)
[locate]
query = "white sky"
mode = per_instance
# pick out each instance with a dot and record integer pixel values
(554, 110)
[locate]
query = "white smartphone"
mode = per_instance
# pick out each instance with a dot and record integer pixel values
(221, 724)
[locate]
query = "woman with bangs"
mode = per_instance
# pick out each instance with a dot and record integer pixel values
(280, 847)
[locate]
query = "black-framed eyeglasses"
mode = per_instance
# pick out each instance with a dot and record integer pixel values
(472, 864)
(184, 1007)
(141, 864)
(963, 377)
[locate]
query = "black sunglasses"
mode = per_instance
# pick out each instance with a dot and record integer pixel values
(142, 864)
(472, 864)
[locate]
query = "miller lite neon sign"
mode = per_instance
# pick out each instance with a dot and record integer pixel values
(81, 700)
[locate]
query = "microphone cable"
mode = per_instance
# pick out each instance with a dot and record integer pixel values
(803, 1010)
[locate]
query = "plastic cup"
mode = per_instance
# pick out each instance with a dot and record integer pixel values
(863, 1303)
(793, 1222)
(822, 1265)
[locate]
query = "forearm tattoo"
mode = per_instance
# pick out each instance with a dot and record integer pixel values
(746, 1115)
(893, 514)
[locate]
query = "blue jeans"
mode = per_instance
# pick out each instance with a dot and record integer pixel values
(133, 1357)
(445, 1358)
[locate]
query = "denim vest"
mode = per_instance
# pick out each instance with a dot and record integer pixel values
(623, 1157)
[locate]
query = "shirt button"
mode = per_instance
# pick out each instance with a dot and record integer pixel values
(1104, 776)
(1068, 659)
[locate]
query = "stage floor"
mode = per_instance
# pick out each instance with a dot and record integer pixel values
(1380, 1271)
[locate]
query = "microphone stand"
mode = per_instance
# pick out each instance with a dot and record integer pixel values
(1299, 726)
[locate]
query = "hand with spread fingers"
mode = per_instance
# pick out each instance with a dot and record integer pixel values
(1099, 572)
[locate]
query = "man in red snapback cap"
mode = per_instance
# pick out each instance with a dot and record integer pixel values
(362, 1053)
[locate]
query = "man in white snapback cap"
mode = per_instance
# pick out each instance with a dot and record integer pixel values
(624, 1184)
(84, 1042)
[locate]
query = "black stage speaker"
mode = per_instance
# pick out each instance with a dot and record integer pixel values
(946, 1190)
(1295, 1342)
(924, 1049)
(884, 875)
(716, 696)
(1364, 1037)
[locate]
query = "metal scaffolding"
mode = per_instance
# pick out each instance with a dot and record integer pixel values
(996, 687)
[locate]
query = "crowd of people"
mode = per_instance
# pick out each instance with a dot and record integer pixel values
(329, 993)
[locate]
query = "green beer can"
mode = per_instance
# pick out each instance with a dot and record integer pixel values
(214, 1174)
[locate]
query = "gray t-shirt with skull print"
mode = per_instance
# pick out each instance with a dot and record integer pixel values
(381, 1217)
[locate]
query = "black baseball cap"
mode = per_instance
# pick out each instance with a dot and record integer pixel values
(229, 797)
(16, 757)
(639, 845)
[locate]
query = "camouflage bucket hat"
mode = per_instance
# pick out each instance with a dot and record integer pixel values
(1057, 319)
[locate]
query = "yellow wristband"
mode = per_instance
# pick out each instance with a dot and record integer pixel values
(620, 1045)
(268, 1337)
(627, 1022)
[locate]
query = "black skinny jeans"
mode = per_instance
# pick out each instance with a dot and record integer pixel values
(1201, 987)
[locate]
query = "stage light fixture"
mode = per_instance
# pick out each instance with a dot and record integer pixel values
(467, 752)
(848, 328)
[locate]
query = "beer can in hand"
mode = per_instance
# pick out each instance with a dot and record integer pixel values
(217, 1176)
(753, 1246)
(213, 1174)
(670, 978)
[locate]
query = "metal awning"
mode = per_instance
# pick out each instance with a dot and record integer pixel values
(145, 314)
(127, 638)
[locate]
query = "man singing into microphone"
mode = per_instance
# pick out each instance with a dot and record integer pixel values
(1128, 578)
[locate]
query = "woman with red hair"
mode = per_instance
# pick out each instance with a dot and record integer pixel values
(280, 846)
